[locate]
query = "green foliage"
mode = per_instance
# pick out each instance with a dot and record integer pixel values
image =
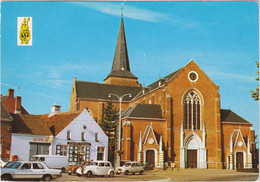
(109, 125)
(255, 94)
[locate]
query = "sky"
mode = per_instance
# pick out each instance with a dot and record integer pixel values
(79, 38)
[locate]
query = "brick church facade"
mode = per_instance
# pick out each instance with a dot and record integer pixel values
(176, 119)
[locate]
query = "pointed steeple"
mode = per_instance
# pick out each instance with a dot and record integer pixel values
(121, 60)
(121, 66)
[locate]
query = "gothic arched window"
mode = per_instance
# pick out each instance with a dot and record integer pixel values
(191, 111)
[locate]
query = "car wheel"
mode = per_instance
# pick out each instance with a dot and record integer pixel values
(126, 172)
(141, 172)
(47, 177)
(89, 174)
(69, 173)
(111, 174)
(78, 174)
(63, 170)
(6, 177)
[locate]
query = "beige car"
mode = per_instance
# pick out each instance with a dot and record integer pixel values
(131, 167)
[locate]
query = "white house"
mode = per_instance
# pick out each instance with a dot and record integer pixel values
(30, 136)
(76, 135)
(73, 134)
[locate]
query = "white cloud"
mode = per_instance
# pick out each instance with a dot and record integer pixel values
(129, 11)
(232, 76)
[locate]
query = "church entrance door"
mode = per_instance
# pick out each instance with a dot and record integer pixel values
(150, 158)
(239, 160)
(191, 158)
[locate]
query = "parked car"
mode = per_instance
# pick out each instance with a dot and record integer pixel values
(28, 170)
(79, 171)
(131, 167)
(53, 161)
(98, 168)
(3, 162)
(71, 169)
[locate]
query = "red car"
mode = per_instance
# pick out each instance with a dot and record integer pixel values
(72, 168)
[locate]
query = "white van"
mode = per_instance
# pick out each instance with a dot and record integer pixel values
(53, 161)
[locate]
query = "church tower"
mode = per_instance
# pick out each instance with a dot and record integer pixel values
(120, 73)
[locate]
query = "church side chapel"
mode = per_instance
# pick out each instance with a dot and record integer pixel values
(177, 119)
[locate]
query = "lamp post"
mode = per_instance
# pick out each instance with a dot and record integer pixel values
(120, 98)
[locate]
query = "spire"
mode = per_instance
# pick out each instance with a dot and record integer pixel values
(121, 60)
(121, 66)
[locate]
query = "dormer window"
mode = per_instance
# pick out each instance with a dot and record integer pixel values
(68, 135)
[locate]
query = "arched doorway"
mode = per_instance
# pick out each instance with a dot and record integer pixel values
(239, 160)
(150, 158)
(193, 152)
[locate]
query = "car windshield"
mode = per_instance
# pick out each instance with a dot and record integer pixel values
(15, 165)
(34, 158)
(94, 164)
(78, 164)
(5, 160)
(127, 164)
(87, 164)
(8, 165)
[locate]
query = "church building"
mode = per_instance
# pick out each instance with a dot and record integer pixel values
(177, 119)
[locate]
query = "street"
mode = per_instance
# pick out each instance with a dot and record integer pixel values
(172, 175)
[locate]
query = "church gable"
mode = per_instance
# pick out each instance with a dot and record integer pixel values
(194, 75)
(237, 140)
(150, 137)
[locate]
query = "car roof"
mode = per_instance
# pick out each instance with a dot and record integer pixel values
(132, 162)
(101, 161)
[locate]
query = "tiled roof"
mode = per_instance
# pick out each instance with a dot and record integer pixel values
(101, 91)
(29, 124)
(144, 111)
(229, 116)
(5, 116)
(59, 121)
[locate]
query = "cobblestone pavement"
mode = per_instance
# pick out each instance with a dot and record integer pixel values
(173, 175)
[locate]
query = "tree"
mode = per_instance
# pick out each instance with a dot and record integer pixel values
(255, 94)
(109, 125)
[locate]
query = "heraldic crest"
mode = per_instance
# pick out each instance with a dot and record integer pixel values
(25, 33)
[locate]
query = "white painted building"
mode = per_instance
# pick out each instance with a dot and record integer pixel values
(73, 134)
(78, 136)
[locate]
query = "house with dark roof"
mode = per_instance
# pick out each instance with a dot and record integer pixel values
(176, 119)
(9, 104)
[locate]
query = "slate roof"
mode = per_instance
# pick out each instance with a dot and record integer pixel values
(5, 116)
(166, 78)
(29, 124)
(57, 122)
(94, 90)
(229, 116)
(144, 111)
(121, 66)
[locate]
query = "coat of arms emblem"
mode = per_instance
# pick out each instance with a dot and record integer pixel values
(25, 33)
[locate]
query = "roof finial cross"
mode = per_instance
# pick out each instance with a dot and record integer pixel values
(122, 9)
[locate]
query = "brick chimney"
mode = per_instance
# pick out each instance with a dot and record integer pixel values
(18, 105)
(11, 92)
